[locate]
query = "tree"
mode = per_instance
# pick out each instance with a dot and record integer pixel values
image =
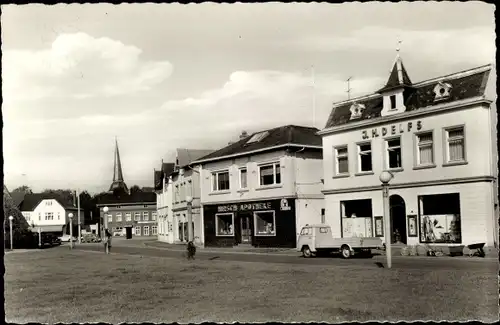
(135, 189)
(23, 189)
(20, 227)
(67, 195)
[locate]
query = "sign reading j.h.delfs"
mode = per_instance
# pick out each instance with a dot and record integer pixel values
(284, 205)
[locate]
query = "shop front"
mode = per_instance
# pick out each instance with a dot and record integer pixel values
(447, 215)
(266, 223)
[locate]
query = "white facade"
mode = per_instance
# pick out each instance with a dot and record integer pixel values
(50, 212)
(301, 180)
(447, 148)
(165, 218)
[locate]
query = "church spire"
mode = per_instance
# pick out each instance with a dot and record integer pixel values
(118, 182)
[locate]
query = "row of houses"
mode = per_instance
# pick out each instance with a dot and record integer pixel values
(437, 137)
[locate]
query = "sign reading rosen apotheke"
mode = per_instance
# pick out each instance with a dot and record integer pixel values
(392, 130)
(244, 207)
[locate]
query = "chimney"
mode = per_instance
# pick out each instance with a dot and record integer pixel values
(243, 135)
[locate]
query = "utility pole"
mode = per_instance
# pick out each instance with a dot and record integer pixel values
(79, 221)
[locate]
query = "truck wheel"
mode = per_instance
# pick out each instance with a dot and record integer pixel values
(346, 251)
(306, 252)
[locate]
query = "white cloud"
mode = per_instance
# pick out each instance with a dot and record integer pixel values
(79, 66)
(474, 45)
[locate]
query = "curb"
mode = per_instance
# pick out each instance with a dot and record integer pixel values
(203, 250)
(432, 258)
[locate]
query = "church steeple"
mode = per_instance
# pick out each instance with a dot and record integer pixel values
(118, 182)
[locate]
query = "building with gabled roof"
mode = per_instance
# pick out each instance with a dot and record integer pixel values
(444, 190)
(260, 190)
(49, 212)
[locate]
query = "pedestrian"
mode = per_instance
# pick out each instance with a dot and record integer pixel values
(107, 240)
(191, 250)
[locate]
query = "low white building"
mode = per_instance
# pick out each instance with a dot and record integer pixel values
(438, 139)
(49, 212)
(163, 189)
(263, 189)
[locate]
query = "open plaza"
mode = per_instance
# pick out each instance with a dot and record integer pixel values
(139, 284)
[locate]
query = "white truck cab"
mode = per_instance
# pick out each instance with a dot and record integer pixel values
(317, 238)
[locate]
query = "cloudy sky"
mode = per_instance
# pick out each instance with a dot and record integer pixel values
(161, 77)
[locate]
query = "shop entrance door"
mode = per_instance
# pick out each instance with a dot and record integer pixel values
(246, 228)
(398, 219)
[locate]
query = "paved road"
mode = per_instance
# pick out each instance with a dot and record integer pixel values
(138, 248)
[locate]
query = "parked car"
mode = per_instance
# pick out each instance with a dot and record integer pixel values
(90, 238)
(66, 238)
(317, 239)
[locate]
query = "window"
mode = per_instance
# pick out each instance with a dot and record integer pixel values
(356, 218)
(146, 230)
(138, 230)
(48, 203)
(342, 160)
(265, 223)
(394, 159)
(58, 215)
(110, 217)
(440, 223)
(322, 215)
(243, 178)
(27, 215)
(145, 216)
(128, 216)
(118, 216)
(365, 157)
(393, 101)
(270, 174)
(323, 230)
(258, 136)
(49, 216)
(153, 216)
(137, 216)
(425, 150)
(220, 181)
(456, 144)
(306, 231)
(224, 224)
(39, 216)
(154, 230)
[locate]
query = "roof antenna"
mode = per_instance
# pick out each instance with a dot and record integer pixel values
(349, 88)
(313, 95)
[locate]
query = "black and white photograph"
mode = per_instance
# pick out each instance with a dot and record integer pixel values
(250, 162)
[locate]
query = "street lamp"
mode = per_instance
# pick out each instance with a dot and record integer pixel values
(70, 230)
(385, 178)
(189, 201)
(105, 210)
(11, 237)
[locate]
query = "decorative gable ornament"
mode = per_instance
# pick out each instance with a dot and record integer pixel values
(356, 110)
(442, 90)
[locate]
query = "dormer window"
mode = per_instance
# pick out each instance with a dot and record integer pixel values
(356, 110)
(257, 137)
(442, 91)
(393, 101)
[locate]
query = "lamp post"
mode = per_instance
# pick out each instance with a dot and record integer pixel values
(70, 230)
(11, 234)
(105, 223)
(189, 201)
(385, 178)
